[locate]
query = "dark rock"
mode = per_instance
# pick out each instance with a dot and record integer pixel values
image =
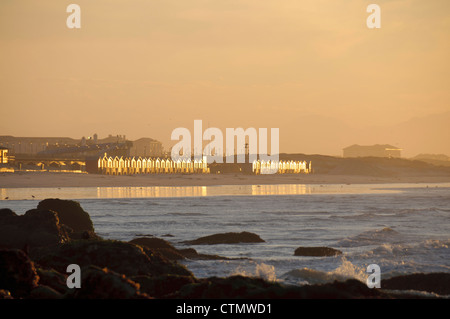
(35, 228)
(191, 253)
(153, 242)
(52, 279)
(239, 287)
(4, 212)
(163, 286)
(170, 252)
(438, 283)
(97, 283)
(70, 213)
(86, 234)
(227, 238)
(44, 292)
(316, 251)
(160, 245)
(17, 273)
(5, 294)
(121, 257)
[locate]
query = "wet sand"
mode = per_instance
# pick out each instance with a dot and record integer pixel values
(51, 179)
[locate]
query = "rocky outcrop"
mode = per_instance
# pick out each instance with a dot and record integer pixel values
(44, 292)
(17, 273)
(72, 215)
(147, 267)
(163, 286)
(121, 257)
(239, 287)
(170, 252)
(5, 212)
(36, 228)
(191, 253)
(226, 238)
(317, 251)
(98, 283)
(160, 245)
(438, 283)
(53, 279)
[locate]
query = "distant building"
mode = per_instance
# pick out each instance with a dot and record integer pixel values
(85, 147)
(3, 155)
(377, 150)
(146, 147)
(32, 145)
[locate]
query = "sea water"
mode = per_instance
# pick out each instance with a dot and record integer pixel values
(404, 228)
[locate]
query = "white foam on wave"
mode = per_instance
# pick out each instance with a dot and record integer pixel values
(307, 276)
(398, 250)
(261, 270)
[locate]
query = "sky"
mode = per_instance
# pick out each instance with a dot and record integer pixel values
(311, 68)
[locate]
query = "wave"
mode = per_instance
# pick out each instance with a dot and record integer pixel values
(371, 237)
(307, 276)
(261, 270)
(414, 249)
(185, 214)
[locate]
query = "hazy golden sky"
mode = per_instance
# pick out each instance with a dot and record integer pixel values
(312, 68)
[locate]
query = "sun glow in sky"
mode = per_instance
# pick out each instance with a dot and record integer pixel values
(311, 68)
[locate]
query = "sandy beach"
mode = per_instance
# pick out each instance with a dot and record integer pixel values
(53, 179)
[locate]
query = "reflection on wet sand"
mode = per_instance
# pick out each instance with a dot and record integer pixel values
(189, 191)
(156, 191)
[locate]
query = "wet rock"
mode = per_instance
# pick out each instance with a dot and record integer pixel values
(438, 283)
(317, 251)
(227, 238)
(163, 286)
(52, 279)
(37, 227)
(170, 252)
(17, 273)
(239, 287)
(98, 283)
(44, 292)
(70, 213)
(191, 253)
(121, 257)
(160, 245)
(4, 212)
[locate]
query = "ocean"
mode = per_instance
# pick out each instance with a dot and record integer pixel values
(403, 228)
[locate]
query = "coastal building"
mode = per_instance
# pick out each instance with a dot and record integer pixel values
(114, 165)
(146, 147)
(281, 167)
(32, 145)
(85, 147)
(5, 160)
(110, 165)
(378, 150)
(3, 155)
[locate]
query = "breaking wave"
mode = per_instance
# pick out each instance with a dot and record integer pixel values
(307, 276)
(261, 270)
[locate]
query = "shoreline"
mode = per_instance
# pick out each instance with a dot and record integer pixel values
(65, 179)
